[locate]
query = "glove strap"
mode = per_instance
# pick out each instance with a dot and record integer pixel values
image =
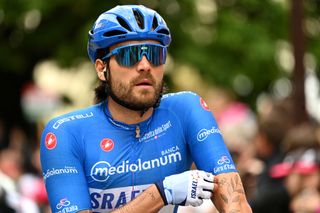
(160, 188)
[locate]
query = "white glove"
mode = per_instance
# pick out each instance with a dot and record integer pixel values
(187, 188)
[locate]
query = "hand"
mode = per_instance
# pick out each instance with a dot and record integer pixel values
(187, 188)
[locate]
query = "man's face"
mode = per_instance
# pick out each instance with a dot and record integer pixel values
(138, 86)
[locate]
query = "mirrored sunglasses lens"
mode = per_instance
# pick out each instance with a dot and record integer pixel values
(156, 55)
(129, 56)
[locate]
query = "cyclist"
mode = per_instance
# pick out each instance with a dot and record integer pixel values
(132, 150)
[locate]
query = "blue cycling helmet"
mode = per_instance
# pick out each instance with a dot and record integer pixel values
(123, 23)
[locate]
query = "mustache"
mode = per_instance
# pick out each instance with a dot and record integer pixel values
(146, 75)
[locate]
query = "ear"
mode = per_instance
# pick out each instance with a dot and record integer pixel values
(100, 69)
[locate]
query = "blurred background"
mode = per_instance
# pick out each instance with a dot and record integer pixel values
(256, 63)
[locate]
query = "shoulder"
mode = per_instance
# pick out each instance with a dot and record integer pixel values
(179, 96)
(184, 99)
(75, 118)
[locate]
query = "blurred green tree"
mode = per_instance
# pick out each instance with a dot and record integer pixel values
(232, 43)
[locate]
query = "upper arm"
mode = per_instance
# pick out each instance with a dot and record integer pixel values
(204, 137)
(63, 171)
(210, 154)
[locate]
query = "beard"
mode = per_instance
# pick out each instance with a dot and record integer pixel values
(124, 95)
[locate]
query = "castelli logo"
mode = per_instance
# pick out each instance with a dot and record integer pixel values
(107, 144)
(204, 104)
(51, 141)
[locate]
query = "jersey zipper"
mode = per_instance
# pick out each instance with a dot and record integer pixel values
(137, 131)
(133, 154)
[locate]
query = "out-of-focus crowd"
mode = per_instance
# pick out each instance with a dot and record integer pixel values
(278, 161)
(22, 188)
(289, 178)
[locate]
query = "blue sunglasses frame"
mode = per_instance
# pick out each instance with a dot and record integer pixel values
(131, 54)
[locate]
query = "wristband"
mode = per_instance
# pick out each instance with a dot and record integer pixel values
(160, 188)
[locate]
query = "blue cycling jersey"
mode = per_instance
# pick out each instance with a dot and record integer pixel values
(91, 161)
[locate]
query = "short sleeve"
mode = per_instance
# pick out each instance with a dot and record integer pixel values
(62, 170)
(204, 137)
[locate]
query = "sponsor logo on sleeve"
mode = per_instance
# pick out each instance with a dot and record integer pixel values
(225, 164)
(204, 133)
(64, 206)
(59, 171)
(167, 95)
(107, 144)
(224, 159)
(63, 203)
(51, 141)
(204, 104)
(59, 122)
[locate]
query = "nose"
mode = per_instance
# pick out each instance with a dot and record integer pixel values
(144, 64)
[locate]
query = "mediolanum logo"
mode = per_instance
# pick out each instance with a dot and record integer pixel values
(204, 133)
(99, 171)
(102, 170)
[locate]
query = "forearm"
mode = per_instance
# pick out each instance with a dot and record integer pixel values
(148, 201)
(229, 195)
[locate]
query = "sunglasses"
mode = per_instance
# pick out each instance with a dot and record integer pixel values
(130, 55)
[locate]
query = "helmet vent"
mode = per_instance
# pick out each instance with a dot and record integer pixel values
(154, 23)
(113, 33)
(123, 23)
(139, 18)
(163, 31)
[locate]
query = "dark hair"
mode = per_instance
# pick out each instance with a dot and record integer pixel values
(100, 90)
(102, 52)
(100, 93)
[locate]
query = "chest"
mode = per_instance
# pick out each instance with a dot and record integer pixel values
(122, 157)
